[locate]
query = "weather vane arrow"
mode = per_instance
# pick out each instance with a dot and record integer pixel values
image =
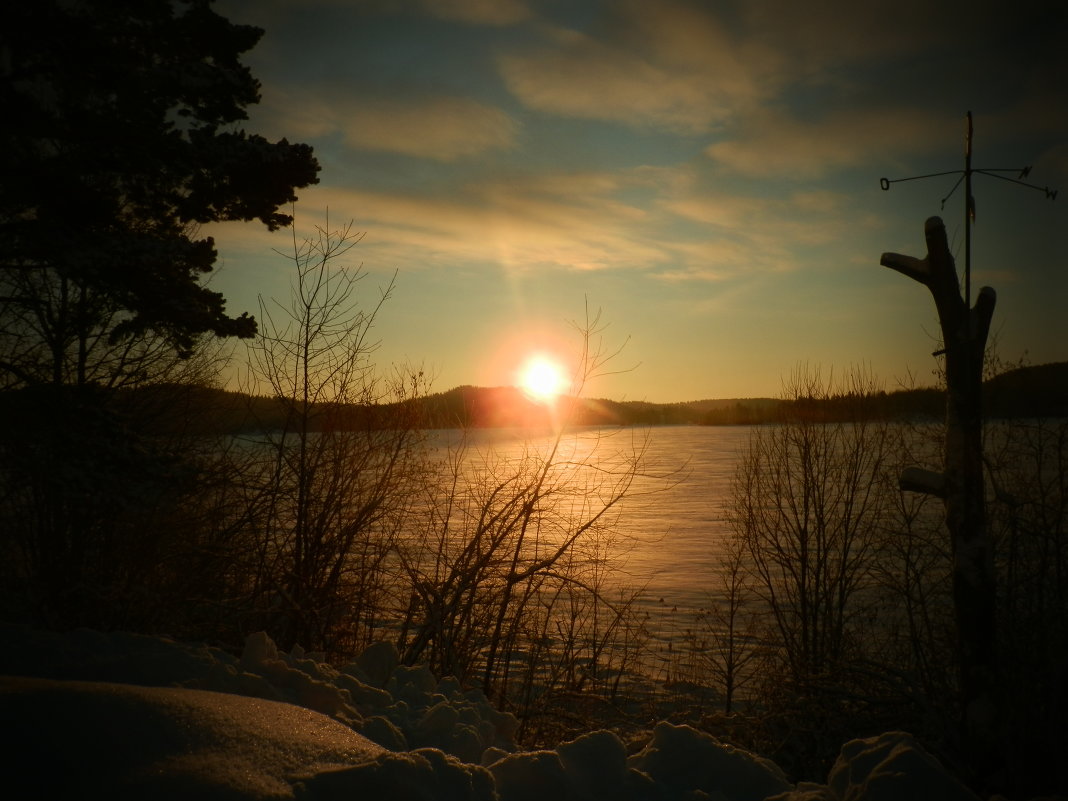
(969, 198)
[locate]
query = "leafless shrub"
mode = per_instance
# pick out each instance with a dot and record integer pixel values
(508, 568)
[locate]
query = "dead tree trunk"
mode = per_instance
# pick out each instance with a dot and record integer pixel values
(964, 334)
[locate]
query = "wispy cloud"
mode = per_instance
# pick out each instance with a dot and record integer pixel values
(587, 79)
(681, 66)
(581, 222)
(814, 38)
(666, 65)
(574, 222)
(442, 128)
(479, 12)
(568, 222)
(771, 143)
(474, 12)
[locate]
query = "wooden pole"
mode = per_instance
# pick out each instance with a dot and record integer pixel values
(969, 212)
(964, 334)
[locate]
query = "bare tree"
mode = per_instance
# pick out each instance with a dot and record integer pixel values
(331, 481)
(507, 571)
(733, 623)
(806, 503)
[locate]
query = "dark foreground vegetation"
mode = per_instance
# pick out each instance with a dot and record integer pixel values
(833, 617)
(135, 496)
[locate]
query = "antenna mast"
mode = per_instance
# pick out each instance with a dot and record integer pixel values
(969, 198)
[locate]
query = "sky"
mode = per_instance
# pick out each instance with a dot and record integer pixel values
(704, 176)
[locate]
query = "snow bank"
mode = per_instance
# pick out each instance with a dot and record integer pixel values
(158, 742)
(686, 759)
(120, 715)
(398, 707)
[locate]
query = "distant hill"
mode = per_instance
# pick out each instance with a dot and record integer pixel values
(1037, 391)
(482, 407)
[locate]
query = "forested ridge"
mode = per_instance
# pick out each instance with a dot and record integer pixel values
(1023, 392)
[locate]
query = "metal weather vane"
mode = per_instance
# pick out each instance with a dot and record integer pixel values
(960, 483)
(969, 199)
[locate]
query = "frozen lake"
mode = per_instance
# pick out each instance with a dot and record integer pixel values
(671, 529)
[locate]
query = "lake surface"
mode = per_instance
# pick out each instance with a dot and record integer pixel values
(671, 533)
(672, 528)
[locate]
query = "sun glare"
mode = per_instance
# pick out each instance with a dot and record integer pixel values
(542, 379)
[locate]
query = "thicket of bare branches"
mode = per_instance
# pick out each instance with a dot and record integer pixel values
(347, 524)
(325, 492)
(808, 502)
(507, 565)
(844, 580)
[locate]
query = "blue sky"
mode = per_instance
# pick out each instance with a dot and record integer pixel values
(706, 174)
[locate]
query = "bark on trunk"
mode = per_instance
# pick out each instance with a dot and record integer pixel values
(964, 334)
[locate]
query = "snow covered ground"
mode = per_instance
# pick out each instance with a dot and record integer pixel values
(92, 715)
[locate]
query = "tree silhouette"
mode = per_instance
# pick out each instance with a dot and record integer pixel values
(961, 487)
(121, 137)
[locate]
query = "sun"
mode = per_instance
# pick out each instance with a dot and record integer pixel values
(542, 379)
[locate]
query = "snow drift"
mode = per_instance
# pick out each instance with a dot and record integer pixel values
(118, 715)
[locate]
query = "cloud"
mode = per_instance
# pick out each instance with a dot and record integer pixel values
(443, 128)
(678, 66)
(667, 66)
(591, 221)
(565, 222)
(816, 37)
(718, 209)
(704, 201)
(725, 258)
(773, 144)
(479, 12)
(1041, 113)
(589, 80)
(474, 12)
(672, 224)
(743, 234)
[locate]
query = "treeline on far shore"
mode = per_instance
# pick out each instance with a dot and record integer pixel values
(1034, 391)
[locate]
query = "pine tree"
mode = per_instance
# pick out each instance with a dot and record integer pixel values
(122, 135)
